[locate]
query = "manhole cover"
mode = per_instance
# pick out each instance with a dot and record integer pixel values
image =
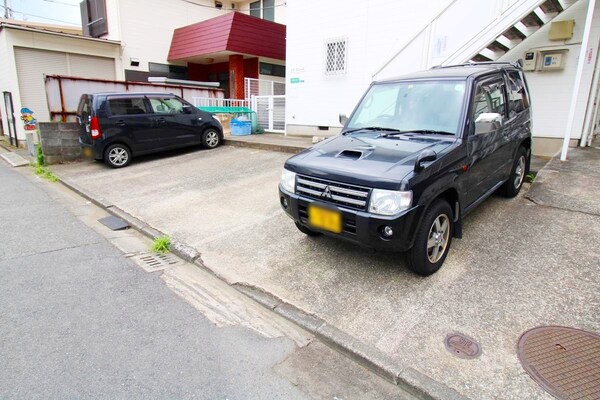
(564, 361)
(462, 346)
(156, 262)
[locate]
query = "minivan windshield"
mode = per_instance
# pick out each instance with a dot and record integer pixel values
(421, 106)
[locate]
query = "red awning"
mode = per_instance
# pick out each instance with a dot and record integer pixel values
(233, 32)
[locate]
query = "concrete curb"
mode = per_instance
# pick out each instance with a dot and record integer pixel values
(371, 358)
(264, 146)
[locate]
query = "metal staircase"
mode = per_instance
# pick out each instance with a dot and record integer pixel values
(521, 27)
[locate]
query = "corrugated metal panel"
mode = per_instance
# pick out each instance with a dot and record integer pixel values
(92, 67)
(32, 64)
(72, 89)
(231, 32)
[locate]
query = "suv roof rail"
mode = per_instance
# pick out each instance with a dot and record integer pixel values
(516, 64)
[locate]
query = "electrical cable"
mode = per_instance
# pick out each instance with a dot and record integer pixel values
(39, 16)
(235, 9)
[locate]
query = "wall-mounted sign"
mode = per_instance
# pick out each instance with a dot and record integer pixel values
(296, 80)
(29, 123)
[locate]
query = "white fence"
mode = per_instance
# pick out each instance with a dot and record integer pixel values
(262, 87)
(215, 102)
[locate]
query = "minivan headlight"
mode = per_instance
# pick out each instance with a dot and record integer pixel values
(389, 202)
(288, 180)
(217, 119)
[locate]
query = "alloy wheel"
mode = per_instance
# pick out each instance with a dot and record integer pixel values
(118, 156)
(212, 138)
(519, 172)
(437, 241)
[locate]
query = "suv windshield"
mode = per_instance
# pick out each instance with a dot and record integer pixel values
(427, 106)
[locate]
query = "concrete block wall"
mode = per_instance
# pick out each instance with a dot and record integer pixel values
(60, 142)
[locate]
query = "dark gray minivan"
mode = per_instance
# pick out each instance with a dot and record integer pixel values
(114, 127)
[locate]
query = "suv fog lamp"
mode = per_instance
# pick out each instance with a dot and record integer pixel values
(387, 231)
(288, 181)
(284, 202)
(389, 202)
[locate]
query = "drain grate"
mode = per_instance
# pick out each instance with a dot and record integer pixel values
(564, 361)
(156, 262)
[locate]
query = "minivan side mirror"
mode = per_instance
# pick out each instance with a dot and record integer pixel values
(425, 156)
(343, 119)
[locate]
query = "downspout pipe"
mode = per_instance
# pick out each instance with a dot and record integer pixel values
(576, 87)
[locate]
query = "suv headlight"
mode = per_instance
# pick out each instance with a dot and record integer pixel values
(389, 202)
(288, 181)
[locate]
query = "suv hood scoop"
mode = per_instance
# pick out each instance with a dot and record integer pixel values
(351, 154)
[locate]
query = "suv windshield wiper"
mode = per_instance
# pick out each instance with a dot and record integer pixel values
(424, 131)
(374, 128)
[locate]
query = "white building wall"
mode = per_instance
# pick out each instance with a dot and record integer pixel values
(146, 30)
(377, 31)
(551, 90)
(11, 38)
(374, 30)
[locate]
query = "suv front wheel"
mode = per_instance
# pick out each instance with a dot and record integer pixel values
(432, 240)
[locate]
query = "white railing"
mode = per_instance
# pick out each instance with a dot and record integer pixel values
(262, 87)
(214, 102)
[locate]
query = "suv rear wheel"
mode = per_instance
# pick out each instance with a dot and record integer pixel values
(432, 240)
(117, 155)
(514, 183)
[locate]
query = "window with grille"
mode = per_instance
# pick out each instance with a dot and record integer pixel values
(336, 51)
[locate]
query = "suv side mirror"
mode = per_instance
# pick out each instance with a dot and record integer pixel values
(487, 122)
(425, 156)
(343, 119)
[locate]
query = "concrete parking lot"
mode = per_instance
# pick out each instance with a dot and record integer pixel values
(518, 266)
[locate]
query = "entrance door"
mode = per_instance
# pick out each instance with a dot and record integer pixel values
(10, 118)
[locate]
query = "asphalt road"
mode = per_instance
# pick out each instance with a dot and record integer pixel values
(80, 320)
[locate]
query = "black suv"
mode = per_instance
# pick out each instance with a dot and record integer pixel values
(417, 154)
(118, 126)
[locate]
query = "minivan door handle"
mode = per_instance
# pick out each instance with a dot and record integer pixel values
(121, 122)
(161, 120)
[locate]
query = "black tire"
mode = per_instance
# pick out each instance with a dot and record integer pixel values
(117, 155)
(418, 257)
(211, 138)
(513, 185)
(306, 231)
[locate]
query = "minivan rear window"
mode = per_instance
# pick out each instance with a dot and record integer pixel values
(127, 106)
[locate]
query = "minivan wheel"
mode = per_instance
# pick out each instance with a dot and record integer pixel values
(117, 155)
(514, 183)
(307, 231)
(211, 138)
(432, 239)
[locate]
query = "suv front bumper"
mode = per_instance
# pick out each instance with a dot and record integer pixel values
(359, 227)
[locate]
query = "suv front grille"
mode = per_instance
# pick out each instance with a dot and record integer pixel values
(342, 194)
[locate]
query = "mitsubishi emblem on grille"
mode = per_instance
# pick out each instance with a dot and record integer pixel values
(326, 193)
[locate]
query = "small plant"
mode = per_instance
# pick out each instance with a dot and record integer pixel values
(39, 156)
(530, 177)
(45, 173)
(161, 245)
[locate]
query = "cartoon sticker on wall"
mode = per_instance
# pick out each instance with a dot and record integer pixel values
(29, 121)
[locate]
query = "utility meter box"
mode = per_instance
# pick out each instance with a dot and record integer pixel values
(530, 61)
(552, 61)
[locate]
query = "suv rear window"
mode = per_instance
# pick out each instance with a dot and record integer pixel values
(127, 106)
(517, 92)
